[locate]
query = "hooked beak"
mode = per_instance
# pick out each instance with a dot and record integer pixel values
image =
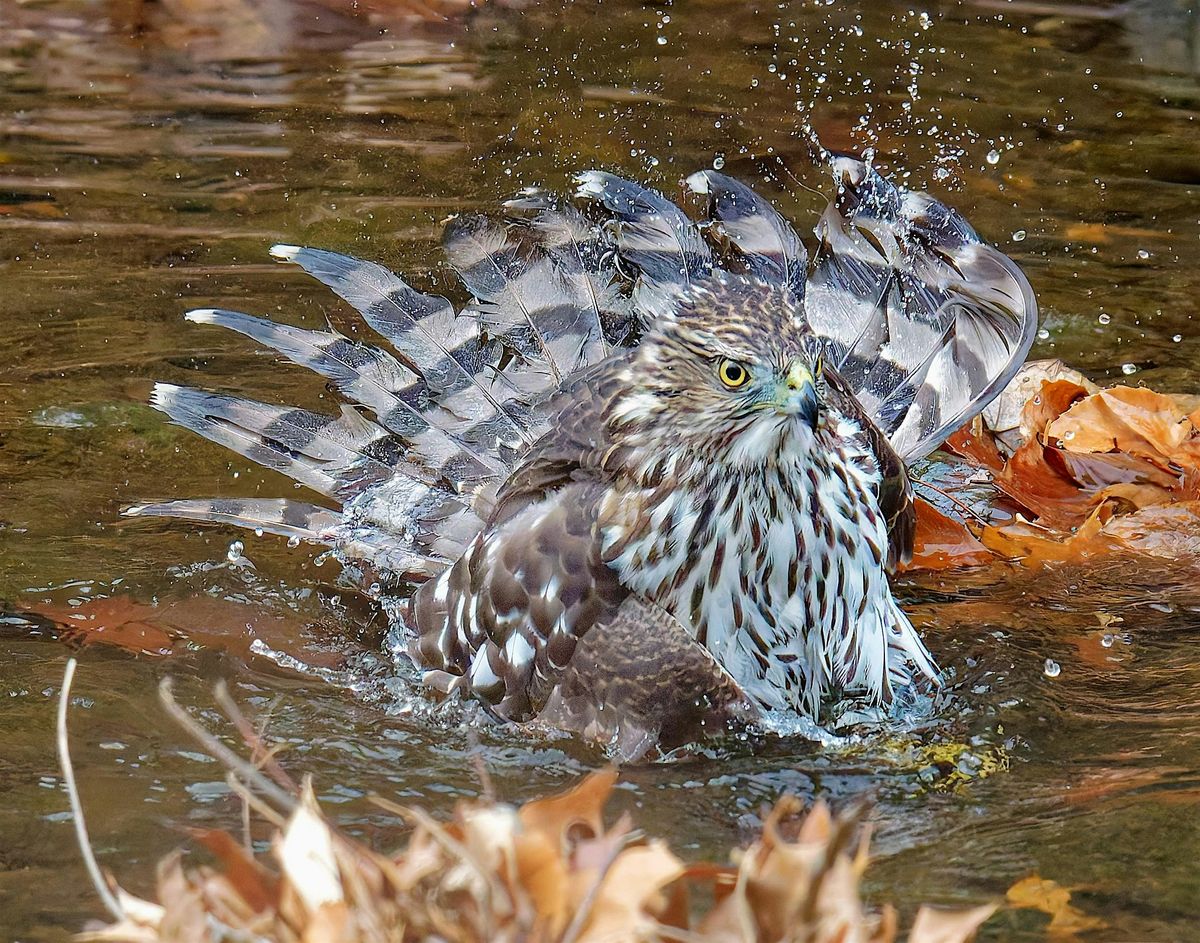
(796, 394)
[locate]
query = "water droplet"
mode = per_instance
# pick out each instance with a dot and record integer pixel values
(293, 542)
(258, 532)
(1043, 335)
(320, 558)
(924, 20)
(718, 161)
(234, 553)
(1143, 254)
(1177, 338)
(1129, 369)
(1104, 318)
(661, 40)
(1107, 640)
(993, 157)
(1052, 668)
(1019, 235)
(1068, 435)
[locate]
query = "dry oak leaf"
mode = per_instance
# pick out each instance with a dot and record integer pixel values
(1134, 420)
(934, 925)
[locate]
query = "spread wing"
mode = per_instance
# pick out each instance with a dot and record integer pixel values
(924, 321)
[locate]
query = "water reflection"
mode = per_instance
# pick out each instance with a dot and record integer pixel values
(150, 153)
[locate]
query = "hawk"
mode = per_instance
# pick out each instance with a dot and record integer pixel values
(649, 482)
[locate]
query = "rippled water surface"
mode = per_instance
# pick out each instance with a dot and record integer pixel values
(149, 155)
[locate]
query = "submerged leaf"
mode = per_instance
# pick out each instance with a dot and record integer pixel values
(1036, 893)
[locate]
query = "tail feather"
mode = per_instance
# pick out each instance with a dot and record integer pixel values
(924, 321)
(442, 347)
(279, 516)
(584, 260)
(523, 296)
(369, 376)
(336, 457)
(764, 241)
(653, 235)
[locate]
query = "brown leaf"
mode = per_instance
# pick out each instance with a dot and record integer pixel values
(254, 883)
(975, 443)
(1004, 416)
(948, 926)
(1137, 421)
(1037, 478)
(630, 897)
(1036, 893)
(1031, 543)
(573, 815)
(942, 542)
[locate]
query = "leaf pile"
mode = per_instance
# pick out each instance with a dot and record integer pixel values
(1077, 472)
(550, 870)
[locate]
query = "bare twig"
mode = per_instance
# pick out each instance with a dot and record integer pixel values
(251, 801)
(81, 833)
(263, 755)
(244, 768)
(480, 764)
(966, 509)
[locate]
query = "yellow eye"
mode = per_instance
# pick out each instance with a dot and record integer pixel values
(733, 374)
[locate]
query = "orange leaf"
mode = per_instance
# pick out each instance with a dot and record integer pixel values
(573, 815)
(1036, 893)
(256, 885)
(1127, 419)
(942, 542)
(1032, 543)
(975, 443)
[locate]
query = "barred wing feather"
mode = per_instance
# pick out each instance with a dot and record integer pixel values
(924, 321)
(751, 231)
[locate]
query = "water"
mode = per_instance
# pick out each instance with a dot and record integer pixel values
(149, 155)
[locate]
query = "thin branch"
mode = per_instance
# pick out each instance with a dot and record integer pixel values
(970, 511)
(68, 770)
(481, 771)
(247, 770)
(251, 801)
(263, 756)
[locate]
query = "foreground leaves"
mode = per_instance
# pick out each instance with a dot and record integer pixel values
(1076, 472)
(550, 870)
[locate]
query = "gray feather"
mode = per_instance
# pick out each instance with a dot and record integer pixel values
(763, 241)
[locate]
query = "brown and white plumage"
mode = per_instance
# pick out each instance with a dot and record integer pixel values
(641, 542)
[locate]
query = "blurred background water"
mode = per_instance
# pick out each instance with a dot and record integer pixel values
(150, 152)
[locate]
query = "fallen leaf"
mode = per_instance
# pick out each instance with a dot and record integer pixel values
(254, 883)
(942, 542)
(1004, 416)
(976, 444)
(630, 896)
(1036, 893)
(1133, 420)
(934, 925)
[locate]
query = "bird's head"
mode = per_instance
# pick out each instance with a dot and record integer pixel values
(732, 373)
